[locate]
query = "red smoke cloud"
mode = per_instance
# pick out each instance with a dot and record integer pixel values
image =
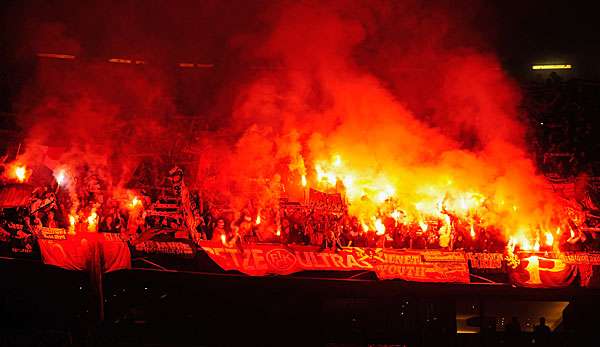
(408, 96)
(424, 114)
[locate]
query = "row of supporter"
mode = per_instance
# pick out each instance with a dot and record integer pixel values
(301, 225)
(172, 211)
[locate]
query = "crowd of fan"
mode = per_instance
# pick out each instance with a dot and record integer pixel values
(563, 135)
(562, 122)
(302, 225)
(290, 224)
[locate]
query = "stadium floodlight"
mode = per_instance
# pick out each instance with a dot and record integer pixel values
(551, 67)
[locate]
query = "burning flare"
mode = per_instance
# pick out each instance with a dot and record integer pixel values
(379, 227)
(60, 177)
(429, 199)
(19, 173)
(135, 202)
(549, 239)
(72, 222)
(92, 220)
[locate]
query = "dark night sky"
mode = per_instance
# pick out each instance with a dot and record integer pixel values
(201, 31)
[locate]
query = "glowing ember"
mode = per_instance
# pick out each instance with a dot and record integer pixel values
(472, 232)
(258, 219)
(304, 180)
(223, 239)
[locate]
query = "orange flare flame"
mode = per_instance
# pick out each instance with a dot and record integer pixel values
(549, 238)
(379, 227)
(92, 221)
(20, 172)
(60, 177)
(135, 202)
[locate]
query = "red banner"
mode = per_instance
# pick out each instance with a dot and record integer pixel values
(74, 253)
(175, 248)
(539, 272)
(329, 202)
(588, 265)
(264, 259)
(485, 261)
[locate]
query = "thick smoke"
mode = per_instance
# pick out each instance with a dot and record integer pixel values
(408, 95)
(97, 117)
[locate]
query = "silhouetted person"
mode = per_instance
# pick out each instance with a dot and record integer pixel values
(542, 333)
(513, 333)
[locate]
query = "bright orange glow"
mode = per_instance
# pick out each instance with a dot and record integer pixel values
(303, 181)
(549, 238)
(365, 227)
(379, 227)
(337, 160)
(533, 268)
(72, 222)
(60, 177)
(223, 238)
(92, 220)
(258, 219)
(135, 202)
(524, 243)
(396, 215)
(432, 197)
(20, 172)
